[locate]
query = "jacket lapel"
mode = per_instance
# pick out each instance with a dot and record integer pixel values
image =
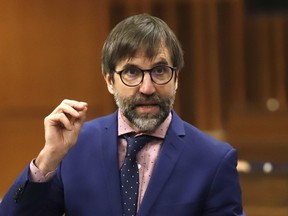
(110, 162)
(170, 152)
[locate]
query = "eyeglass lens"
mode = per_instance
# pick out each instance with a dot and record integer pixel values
(160, 74)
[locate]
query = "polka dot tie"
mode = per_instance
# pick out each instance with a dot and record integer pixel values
(130, 174)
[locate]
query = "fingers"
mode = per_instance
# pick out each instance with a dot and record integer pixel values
(67, 114)
(59, 120)
(71, 107)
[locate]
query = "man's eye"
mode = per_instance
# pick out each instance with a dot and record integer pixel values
(132, 72)
(160, 70)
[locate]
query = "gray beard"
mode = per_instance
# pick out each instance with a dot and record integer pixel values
(145, 122)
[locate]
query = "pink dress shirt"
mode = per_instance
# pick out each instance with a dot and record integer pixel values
(146, 157)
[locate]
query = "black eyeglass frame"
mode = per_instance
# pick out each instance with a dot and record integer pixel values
(173, 69)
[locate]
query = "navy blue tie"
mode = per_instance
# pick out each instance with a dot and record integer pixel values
(130, 174)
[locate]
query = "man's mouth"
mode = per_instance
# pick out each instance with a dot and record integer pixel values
(147, 107)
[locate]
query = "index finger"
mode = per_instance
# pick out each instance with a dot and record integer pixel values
(78, 105)
(70, 108)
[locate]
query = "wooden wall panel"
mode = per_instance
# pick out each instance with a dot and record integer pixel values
(231, 57)
(265, 194)
(48, 51)
(52, 49)
(200, 77)
(279, 62)
(260, 121)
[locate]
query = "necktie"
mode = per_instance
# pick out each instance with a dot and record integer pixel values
(130, 175)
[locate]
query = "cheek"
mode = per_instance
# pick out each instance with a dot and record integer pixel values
(125, 91)
(167, 90)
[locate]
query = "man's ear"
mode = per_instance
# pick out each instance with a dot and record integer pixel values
(109, 82)
(176, 80)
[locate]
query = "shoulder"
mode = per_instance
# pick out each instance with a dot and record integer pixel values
(204, 142)
(92, 135)
(99, 123)
(93, 131)
(205, 154)
(199, 141)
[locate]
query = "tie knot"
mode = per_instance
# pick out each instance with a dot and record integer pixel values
(135, 144)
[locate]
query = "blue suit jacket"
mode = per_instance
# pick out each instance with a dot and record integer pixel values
(195, 175)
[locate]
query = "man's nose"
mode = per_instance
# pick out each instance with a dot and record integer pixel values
(147, 86)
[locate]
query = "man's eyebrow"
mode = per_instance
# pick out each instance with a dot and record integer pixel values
(160, 62)
(129, 65)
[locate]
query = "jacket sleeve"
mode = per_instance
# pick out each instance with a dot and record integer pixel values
(224, 197)
(28, 198)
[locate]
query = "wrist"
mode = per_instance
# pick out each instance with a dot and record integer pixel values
(36, 175)
(48, 161)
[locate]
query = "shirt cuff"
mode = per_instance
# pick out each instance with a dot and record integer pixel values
(36, 175)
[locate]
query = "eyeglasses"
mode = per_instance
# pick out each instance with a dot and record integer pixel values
(133, 76)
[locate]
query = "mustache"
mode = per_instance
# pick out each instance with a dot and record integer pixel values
(142, 99)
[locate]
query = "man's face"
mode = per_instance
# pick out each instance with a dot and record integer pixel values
(147, 105)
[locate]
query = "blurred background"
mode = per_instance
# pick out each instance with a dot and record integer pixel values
(233, 85)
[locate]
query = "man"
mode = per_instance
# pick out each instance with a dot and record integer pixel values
(83, 170)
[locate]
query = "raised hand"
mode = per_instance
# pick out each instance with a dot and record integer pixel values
(62, 128)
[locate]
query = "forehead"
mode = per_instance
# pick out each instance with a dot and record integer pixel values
(142, 60)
